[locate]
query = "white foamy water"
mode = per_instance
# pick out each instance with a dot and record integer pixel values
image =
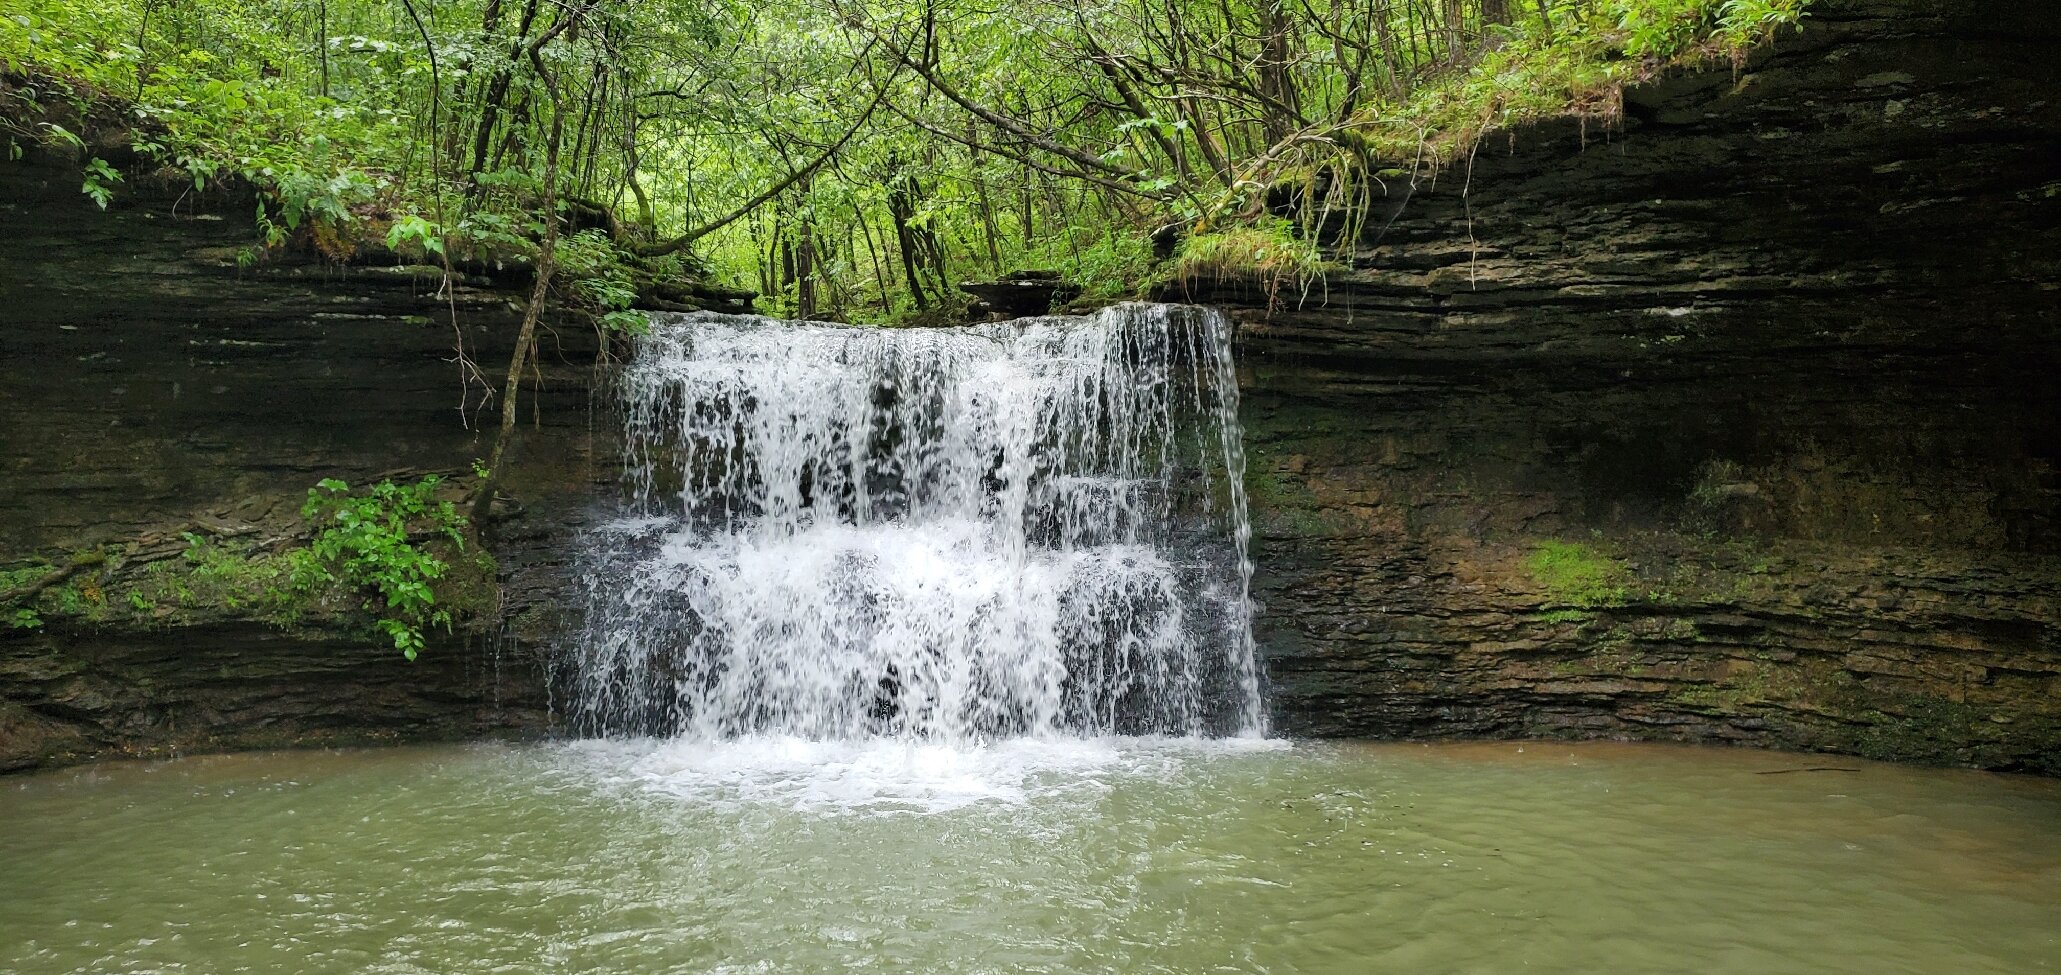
(949, 540)
(890, 775)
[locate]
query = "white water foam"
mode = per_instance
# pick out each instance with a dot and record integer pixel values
(889, 776)
(995, 537)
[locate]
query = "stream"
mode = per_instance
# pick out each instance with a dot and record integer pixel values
(1069, 855)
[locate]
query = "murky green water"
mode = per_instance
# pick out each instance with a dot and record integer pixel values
(1057, 857)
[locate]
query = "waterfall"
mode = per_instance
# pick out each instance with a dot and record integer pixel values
(1034, 527)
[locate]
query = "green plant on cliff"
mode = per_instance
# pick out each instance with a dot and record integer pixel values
(369, 542)
(843, 157)
(1577, 575)
(600, 278)
(1272, 252)
(214, 572)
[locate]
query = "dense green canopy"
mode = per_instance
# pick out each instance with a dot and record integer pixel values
(845, 158)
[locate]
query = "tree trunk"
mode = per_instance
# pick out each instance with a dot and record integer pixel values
(1453, 27)
(547, 251)
(1275, 81)
(497, 88)
(902, 195)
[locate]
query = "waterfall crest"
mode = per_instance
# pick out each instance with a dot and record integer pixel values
(1034, 527)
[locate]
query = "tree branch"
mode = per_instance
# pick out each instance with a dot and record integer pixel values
(664, 247)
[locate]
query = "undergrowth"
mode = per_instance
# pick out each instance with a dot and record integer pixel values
(1336, 177)
(1270, 252)
(339, 176)
(371, 161)
(394, 552)
(365, 543)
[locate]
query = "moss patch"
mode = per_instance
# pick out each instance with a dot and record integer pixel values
(271, 572)
(1577, 575)
(1270, 490)
(1271, 252)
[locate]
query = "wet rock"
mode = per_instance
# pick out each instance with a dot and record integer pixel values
(150, 386)
(1021, 293)
(1807, 410)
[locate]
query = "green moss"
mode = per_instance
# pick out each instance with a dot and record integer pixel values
(218, 578)
(1285, 503)
(220, 575)
(471, 587)
(1612, 642)
(1909, 727)
(1681, 629)
(284, 584)
(1577, 575)
(1708, 696)
(1569, 72)
(23, 575)
(1269, 489)
(1271, 251)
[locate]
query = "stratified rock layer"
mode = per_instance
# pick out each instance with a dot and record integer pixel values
(151, 386)
(1738, 423)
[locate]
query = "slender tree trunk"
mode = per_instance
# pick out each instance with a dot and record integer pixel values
(873, 254)
(987, 211)
(804, 238)
(1275, 81)
(497, 87)
(1391, 53)
(646, 213)
(321, 41)
(526, 337)
(901, 206)
(765, 236)
(547, 253)
(1453, 27)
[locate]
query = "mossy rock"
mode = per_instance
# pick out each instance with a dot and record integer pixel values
(1577, 575)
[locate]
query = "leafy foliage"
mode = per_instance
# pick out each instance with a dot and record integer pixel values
(382, 550)
(367, 542)
(215, 572)
(601, 279)
(849, 158)
(100, 180)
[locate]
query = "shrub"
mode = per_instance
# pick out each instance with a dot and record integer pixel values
(367, 542)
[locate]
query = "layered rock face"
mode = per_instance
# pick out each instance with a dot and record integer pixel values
(1740, 422)
(151, 387)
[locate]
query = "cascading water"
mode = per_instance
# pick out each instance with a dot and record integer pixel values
(1025, 528)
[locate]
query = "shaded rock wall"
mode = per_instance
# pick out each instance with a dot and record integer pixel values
(1740, 423)
(1736, 424)
(150, 385)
